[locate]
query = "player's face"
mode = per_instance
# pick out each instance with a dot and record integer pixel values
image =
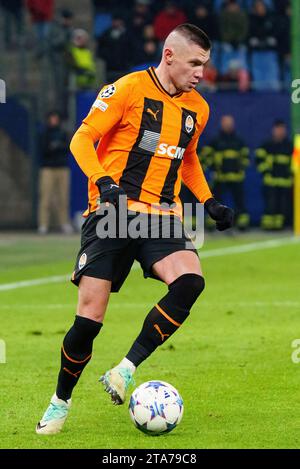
(188, 65)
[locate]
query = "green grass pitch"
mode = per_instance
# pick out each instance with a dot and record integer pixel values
(231, 361)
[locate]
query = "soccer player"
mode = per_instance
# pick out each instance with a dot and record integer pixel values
(147, 124)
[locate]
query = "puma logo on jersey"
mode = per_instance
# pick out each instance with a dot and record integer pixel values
(153, 114)
(170, 150)
(156, 326)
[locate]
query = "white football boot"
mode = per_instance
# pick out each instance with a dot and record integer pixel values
(116, 382)
(54, 417)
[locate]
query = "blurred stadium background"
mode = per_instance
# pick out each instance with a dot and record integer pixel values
(56, 55)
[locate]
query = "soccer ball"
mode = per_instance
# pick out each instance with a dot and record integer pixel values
(156, 407)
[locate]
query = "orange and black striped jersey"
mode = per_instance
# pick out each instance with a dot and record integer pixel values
(147, 142)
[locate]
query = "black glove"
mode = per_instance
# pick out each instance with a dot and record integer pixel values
(109, 190)
(220, 213)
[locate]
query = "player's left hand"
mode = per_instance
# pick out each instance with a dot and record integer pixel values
(223, 215)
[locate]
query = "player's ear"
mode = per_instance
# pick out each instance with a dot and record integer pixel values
(169, 55)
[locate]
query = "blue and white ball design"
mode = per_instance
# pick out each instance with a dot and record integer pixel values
(156, 407)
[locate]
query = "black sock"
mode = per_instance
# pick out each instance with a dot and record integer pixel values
(76, 352)
(165, 318)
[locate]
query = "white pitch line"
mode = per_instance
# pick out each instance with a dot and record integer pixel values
(34, 282)
(38, 306)
(243, 248)
(259, 245)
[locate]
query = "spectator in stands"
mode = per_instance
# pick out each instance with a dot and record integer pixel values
(283, 27)
(148, 55)
(167, 19)
(41, 12)
(202, 17)
(273, 161)
(236, 77)
(227, 157)
(191, 5)
(151, 52)
(61, 31)
(13, 19)
(262, 34)
(148, 32)
(140, 17)
(246, 4)
(233, 25)
(115, 46)
(81, 60)
(60, 40)
(145, 52)
(263, 46)
(54, 176)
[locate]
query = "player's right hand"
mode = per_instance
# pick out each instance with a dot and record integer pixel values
(109, 190)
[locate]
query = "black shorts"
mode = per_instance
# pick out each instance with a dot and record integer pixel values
(112, 258)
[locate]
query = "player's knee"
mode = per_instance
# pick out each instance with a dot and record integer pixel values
(90, 308)
(92, 301)
(91, 313)
(186, 289)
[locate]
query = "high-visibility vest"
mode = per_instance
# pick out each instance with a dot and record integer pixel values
(296, 154)
(296, 170)
(84, 60)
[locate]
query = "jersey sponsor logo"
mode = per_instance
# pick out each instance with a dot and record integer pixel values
(189, 123)
(99, 104)
(82, 260)
(171, 150)
(108, 91)
(152, 113)
(149, 141)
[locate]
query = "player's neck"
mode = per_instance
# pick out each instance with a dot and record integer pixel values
(165, 80)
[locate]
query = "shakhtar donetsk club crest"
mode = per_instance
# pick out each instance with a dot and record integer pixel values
(189, 123)
(82, 260)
